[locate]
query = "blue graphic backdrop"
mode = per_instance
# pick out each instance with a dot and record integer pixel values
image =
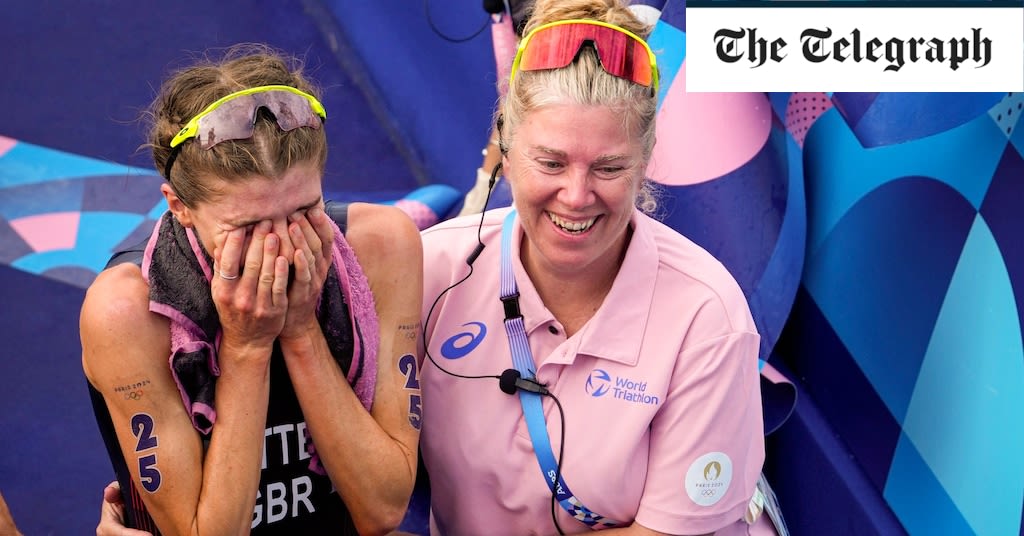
(914, 263)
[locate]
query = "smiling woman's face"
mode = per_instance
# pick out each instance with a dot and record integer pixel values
(574, 171)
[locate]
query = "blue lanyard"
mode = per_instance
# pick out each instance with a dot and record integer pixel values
(533, 412)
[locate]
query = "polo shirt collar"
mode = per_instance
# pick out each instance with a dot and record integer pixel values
(616, 331)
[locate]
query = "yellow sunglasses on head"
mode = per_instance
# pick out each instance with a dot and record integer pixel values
(233, 117)
(556, 44)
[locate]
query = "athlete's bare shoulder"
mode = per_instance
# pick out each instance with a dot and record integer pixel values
(381, 235)
(115, 316)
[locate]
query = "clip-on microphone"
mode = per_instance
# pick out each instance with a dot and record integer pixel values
(511, 379)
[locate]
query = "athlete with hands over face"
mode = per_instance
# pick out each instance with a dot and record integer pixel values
(254, 359)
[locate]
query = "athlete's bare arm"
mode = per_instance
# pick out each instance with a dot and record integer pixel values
(371, 457)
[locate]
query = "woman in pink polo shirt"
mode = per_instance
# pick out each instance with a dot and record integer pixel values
(627, 392)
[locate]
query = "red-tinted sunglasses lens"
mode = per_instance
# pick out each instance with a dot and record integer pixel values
(557, 46)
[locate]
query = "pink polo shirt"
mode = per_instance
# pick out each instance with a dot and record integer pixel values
(660, 391)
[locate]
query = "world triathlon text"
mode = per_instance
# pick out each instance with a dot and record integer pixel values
(818, 46)
(633, 391)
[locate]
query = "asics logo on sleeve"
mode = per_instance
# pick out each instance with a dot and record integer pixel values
(461, 344)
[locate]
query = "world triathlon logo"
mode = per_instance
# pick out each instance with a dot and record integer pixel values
(600, 383)
(461, 344)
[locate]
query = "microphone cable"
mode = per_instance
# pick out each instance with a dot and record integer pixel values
(469, 262)
(442, 35)
(542, 391)
(558, 463)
